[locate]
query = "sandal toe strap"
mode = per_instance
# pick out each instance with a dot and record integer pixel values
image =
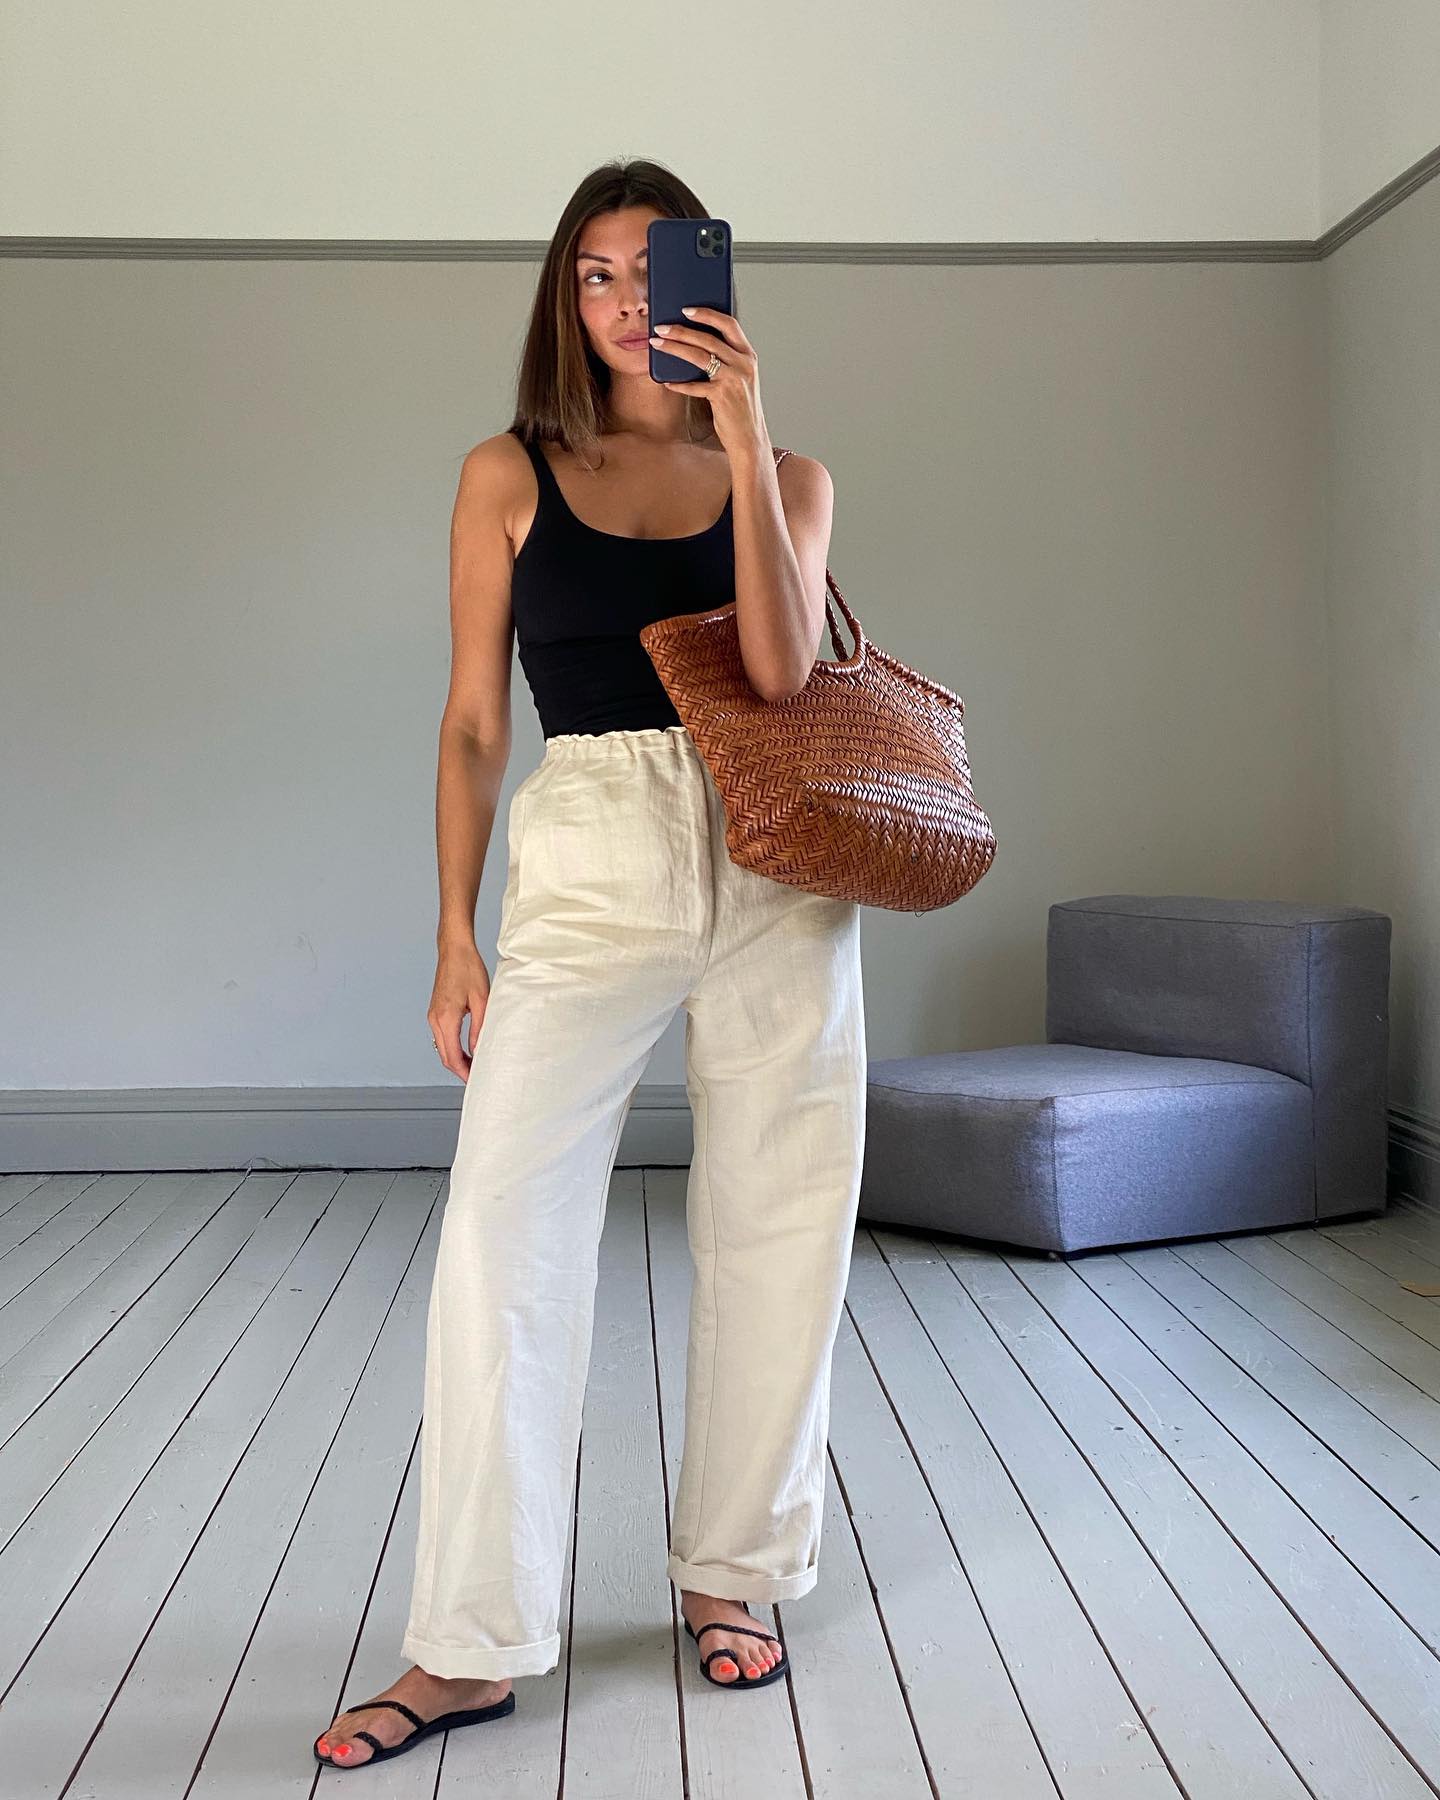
(739, 1630)
(396, 1706)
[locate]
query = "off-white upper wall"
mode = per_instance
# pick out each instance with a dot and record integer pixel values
(1379, 79)
(457, 119)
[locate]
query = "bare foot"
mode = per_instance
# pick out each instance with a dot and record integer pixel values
(428, 1695)
(751, 1654)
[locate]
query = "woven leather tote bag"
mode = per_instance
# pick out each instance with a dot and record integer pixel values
(857, 787)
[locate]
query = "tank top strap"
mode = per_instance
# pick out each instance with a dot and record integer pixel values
(552, 512)
(537, 458)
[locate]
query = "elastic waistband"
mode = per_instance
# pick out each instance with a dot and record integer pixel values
(619, 742)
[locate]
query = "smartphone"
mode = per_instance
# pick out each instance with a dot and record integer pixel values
(688, 264)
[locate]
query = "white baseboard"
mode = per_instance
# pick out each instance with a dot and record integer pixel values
(64, 1130)
(1414, 1160)
(61, 1131)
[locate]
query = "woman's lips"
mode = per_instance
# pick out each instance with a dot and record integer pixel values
(633, 343)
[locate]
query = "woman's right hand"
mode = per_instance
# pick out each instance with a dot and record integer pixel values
(462, 985)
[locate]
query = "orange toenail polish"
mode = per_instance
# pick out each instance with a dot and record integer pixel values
(344, 1750)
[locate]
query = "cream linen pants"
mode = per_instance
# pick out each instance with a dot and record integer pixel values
(621, 905)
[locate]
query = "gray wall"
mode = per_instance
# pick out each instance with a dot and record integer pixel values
(1383, 600)
(1094, 498)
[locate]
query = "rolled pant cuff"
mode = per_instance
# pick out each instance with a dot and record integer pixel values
(732, 1584)
(483, 1663)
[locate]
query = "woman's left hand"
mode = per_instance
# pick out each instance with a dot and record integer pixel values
(734, 389)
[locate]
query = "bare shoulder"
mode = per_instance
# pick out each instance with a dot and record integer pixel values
(794, 462)
(492, 479)
(806, 487)
(803, 475)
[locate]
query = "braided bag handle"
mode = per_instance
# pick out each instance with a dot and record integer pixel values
(858, 787)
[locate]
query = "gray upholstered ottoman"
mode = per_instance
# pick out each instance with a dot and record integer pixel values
(1210, 1066)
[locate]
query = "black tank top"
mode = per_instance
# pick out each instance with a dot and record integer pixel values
(579, 597)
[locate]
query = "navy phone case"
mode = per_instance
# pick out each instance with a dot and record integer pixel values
(681, 273)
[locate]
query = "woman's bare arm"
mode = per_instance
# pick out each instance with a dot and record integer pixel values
(475, 726)
(474, 737)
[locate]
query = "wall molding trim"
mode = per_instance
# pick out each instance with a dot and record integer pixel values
(69, 1131)
(66, 1131)
(1414, 1160)
(528, 250)
(1382, 201)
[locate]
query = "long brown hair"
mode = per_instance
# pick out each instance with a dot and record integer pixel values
(562, 386)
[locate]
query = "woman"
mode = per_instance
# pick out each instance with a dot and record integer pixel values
(621, 906)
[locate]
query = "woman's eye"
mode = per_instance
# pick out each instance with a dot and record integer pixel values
(600, 272)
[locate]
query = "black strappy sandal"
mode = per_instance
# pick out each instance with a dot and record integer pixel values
(742, 1680)
(474, 1715)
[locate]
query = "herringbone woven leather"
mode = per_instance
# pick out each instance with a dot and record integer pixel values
(857, 787)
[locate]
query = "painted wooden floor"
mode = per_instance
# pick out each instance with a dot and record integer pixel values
(1137, 1525)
